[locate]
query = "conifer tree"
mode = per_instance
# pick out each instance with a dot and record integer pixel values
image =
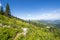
(1, 10)
(7, 11)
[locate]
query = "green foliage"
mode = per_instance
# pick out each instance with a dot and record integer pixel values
(40, 34)
(33, 33)
(7, 11)
(1, 10)
(21, 37)
(7, 33)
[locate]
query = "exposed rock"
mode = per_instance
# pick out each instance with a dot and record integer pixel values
(24, 31)
(1, 24)
(47, 27)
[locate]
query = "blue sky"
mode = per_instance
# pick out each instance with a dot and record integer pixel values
(34, 9)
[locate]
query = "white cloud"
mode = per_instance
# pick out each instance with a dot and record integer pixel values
(28, 16)
(0, 4)
(51, 15)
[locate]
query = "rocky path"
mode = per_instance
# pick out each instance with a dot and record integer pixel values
(17, 36)
(23, 33)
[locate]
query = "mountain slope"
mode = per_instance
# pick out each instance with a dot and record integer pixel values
(11, 27)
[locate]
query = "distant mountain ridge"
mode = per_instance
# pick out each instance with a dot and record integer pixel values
(55, 23)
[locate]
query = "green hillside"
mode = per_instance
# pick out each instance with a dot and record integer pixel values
(11, 27)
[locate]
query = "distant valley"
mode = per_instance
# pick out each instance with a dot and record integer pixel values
(51, 23)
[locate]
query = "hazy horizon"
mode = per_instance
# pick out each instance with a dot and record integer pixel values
(34, 9)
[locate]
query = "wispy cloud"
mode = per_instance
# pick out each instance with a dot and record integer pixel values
(0, 4)
(49, 16)
(52, 15)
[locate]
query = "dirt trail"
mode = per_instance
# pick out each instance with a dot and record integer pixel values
(18, 34)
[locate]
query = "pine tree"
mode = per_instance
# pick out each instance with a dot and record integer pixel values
(7, 11)
(29, 21)
(1, 10)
